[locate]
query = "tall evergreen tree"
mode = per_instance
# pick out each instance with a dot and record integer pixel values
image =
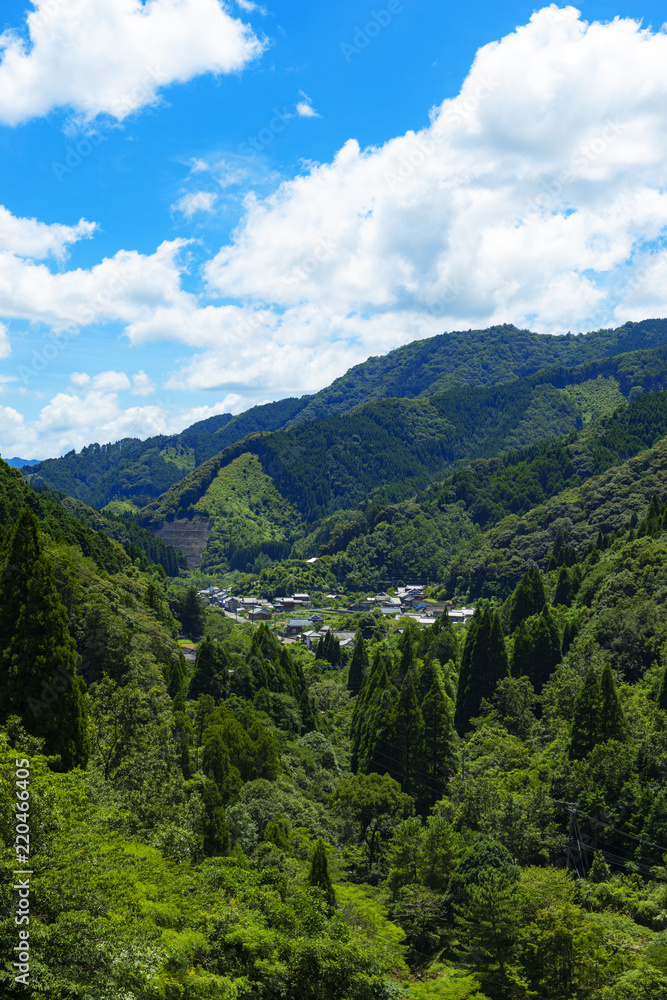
(537, 648)
(612, 725)
(662, 693)
(409, 737)
(359, 664)
(439, 740)
(211, 673)
(562, 594)
(528, 598)
(38, 656)
(319, 874)
(488, 664)
(466, 666)
(586, 720)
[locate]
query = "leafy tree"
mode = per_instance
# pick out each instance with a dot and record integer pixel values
(370, 801)
(319, 874)
(38, 657)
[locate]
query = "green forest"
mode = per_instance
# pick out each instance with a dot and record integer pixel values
(458, 812)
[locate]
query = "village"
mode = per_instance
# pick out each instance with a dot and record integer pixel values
(296, 621)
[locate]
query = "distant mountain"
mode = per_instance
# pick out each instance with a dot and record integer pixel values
(140, 471)
(264, 493)
(17, 463)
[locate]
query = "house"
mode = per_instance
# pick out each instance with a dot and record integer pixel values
(296, 626)
(284, 603)
(311, 638)
(459, 616)
(232, 604)
(302, 599)
(315, 618)
(346, 639)
(259, 615)
(365, 604)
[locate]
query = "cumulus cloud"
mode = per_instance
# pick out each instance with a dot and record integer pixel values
(37, 240)
(519, 201)
(114, 56)
(536, 196)
(124, 288)
(93, 410)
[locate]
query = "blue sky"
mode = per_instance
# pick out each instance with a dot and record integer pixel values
(206, 206)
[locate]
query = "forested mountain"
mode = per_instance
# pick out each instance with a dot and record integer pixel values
(138, 471)
(458, 814)
(388, 451)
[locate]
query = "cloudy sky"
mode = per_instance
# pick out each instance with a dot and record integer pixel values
(205, 205)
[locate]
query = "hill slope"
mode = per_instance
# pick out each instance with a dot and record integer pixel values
(389, 450)
(139, 471)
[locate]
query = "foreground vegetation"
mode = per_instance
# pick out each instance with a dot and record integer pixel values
(473, 813)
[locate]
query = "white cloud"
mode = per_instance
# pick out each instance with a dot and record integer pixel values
(142, 384)
(127, 287)
(96, 413)
(196, 201)
(249, 6)
(37, 240)
(519, 201)
(536, 196)
(114, 56)
(305, 109)
(5, 346)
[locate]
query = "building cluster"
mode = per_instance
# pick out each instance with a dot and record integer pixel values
(307, 625)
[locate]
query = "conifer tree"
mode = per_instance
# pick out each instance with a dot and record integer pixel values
(439, 740)
(376, 679)
(488, 664)
(319, 874)
(562, 593)
(537, 649)
(409, 737)
(528, 598)
(211, 673)
(359, 664)
(216, 831)
(662, 693)
(599, 870)
(439, 641)
(612, 725)
(466, 665)
(584, 733)
(38, 656)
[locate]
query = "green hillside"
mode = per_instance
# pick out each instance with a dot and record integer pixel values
(471, 813)
(390, 450)
(139, 471)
